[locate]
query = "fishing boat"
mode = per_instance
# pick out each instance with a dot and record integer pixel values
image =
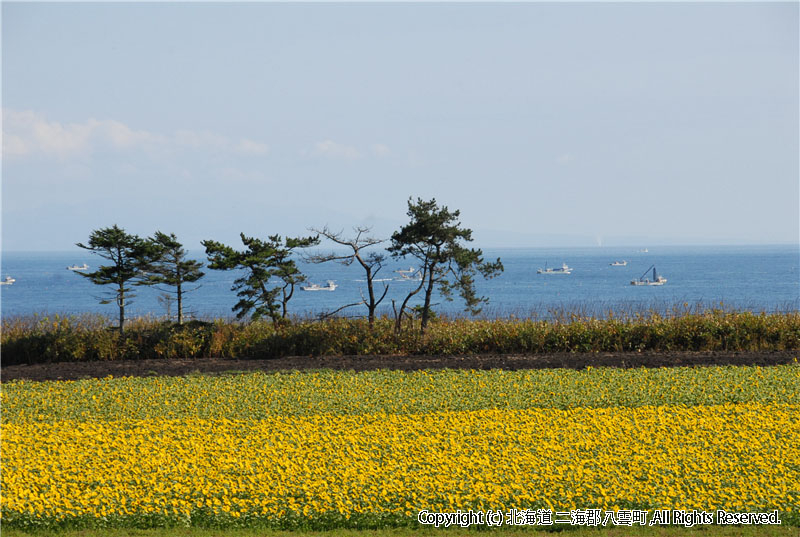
(316, 287)
(618, 263)
(8, 281)
(411, 270)
(415, 276)
(564, 269)
(643, 280)
(81, 267)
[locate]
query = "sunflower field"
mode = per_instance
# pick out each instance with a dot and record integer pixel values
(341, 449)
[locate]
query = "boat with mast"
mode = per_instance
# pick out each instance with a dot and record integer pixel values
(643, 280)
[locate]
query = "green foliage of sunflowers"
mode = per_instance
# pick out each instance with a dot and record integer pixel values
(337, 449)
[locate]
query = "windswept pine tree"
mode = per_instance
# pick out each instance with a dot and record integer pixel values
(172, 268)
(261, 260)
(434, 238)
(129, 255)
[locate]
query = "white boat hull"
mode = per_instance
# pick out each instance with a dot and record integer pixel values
(316, 287)
(563, 270)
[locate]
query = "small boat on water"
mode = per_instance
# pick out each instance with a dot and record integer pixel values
(657, 279)
(316, 287)
(8, 281)
(415, 276)
(643, 251)
(81, 267)
(411, 270)
(564, 269)
(618, 263)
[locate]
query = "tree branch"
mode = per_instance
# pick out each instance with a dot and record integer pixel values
(324, 315)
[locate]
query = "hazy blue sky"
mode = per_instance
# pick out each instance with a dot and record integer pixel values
(636, 123)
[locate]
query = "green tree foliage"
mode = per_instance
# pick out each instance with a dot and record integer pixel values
(434, 237)
(129, 256)
(171, 267)
(261, 260)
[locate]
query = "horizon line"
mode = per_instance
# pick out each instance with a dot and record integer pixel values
(483, 246)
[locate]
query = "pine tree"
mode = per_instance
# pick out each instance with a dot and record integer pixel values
(434, 238)
(261, 260)
(129, 256)
(171, 267)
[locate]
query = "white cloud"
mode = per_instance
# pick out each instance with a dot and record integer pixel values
(331, 149)
(565, 159)
(26, 133)
(120, 136)
(14, 146)
(251, 147)
(380, 150)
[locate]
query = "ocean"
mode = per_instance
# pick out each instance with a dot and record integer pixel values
(753, 278)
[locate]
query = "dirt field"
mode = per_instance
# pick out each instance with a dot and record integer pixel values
(81, 370)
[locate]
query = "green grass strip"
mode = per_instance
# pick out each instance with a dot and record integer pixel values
(376, 529)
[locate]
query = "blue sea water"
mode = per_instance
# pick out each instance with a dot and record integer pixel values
(754, 278)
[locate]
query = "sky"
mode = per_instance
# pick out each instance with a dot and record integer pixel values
(545, 124)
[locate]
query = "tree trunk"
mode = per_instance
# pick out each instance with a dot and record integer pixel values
(121, 304)
(398, 325)
(121, 294)
(371, 305)
(178, 289)
(180, 304)
(286, 298)
(398, 321)
(426, 307)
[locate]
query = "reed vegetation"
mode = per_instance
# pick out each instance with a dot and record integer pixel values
(27, 340)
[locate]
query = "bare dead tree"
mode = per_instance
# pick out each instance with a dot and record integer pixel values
(371, 262)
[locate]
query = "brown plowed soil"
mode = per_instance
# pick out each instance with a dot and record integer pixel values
(143, 368)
